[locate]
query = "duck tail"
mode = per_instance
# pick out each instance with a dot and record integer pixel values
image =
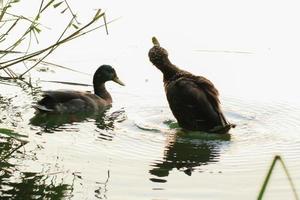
(42, 108)
(225, 122)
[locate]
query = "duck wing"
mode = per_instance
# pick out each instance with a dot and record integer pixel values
(66, 101)
(212, 94)
(195, 104)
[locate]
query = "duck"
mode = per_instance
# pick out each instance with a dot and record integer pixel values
(193, 100)
(69, 101)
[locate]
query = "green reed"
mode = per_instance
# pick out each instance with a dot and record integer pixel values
(17, 51)
(277, 159)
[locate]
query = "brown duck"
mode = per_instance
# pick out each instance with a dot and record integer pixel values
(193, 99)
(69, 101)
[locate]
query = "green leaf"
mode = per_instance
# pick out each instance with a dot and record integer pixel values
(104, 18)
(57, 4)
(47, 5)
(37, 29)
(10, 133)
(62, 12)
(98, 14)
(75, 26)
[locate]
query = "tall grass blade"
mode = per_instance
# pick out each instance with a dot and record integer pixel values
(59, 42)
(59, 66)
(10, 28)
(47, 5)
(68, 83)
(266, 181)
(62, 12)
(71, 11)
(57, 4)
(98, 14)
(105, 23)
(6, 52)
(3, 12)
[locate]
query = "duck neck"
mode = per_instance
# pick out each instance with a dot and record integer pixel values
(168, 69)
(100, 90)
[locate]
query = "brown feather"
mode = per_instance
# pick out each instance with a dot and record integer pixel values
(193, 100)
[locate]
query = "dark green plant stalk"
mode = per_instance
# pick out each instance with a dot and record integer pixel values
(31, 28)
(69, 8)
(4, 10)
(68, 83)
(83, 33)
(10, 73)
(5, 70)
(51, 50)
(47, 5)
(59, 66)
(5, 65)
(10, 28)
(105, 24)
(68, 38)
(264, 186)
(2, 52)
(23, 18)
(29, 56)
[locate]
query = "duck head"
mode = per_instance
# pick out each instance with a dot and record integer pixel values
(158, 55)
(106, 73)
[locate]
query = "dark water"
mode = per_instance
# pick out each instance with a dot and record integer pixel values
(135, 150)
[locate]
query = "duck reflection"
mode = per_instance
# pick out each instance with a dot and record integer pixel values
(186, 152)
(107, 120)
(52, 122)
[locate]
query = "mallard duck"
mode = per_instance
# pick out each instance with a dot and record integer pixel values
(193, 99)
(68, 101)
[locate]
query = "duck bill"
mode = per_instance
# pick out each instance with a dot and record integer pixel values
(117, 80)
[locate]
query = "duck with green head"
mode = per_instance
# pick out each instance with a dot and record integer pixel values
(68, 101)
(194, 100)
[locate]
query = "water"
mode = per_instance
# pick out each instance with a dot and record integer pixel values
(135, 150)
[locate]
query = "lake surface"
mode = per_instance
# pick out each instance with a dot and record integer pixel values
(135, 150)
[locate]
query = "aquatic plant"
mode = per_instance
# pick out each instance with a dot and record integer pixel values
(17, 51)
(276, 159)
